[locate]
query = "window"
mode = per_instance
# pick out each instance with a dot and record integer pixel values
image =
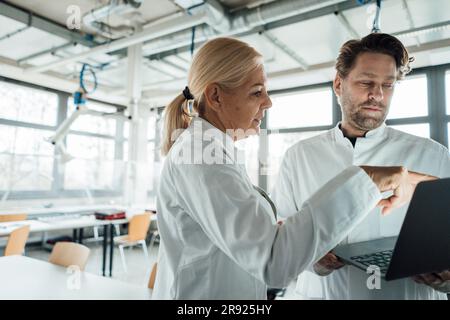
(150, 152)
(93, 166)
(153, 164)
(155, 158)
(86, 147)
(278, 144)
(410, 98)
(421, 129)
(303, 109)
(29, 163)
(151, 128)
(447, 90)
(23, 140)
(25, 104)
(89, 174)
(126, 129)
(92, 123)
(151, 132)
(26, 158)
(25, 172)
(125, 151)
(448, 135)
(150, 167)
(290, 113)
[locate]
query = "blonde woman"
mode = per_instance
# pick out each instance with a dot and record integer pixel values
(219, 234)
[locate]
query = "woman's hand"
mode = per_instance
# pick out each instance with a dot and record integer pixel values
(397, 179)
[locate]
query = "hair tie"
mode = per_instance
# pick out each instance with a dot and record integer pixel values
(187, 94)
(190, 112)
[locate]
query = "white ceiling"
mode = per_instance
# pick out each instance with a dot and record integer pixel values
(315, 41)
(57, 10)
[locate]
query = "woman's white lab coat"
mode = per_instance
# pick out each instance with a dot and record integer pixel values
(219, 237)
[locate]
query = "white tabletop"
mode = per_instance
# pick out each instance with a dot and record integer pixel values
(60, 224)
(130, 210)
(76, 221)
(60, 209)
(26, 278)
(41, 226)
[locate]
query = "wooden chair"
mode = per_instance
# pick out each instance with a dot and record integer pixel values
(69, 254)
(13, 217)
(151, 281)
(137, 233)
(17, 240)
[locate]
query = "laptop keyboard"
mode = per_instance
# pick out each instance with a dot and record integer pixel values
(380, 259)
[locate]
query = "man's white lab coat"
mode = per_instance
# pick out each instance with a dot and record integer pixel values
(219, 236)
(309, 164)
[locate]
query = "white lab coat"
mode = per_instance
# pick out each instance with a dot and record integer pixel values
(309, 164)
(219, 237)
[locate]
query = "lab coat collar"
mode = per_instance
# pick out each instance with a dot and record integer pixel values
(377, 133)
(212, 131)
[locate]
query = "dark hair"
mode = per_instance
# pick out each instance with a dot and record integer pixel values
(376, 43)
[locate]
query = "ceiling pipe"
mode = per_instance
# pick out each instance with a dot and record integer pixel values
(125, 30)
(115, 7)
(47, 51)
(154, 32)
(410, 19)
(435, 27)
(244, 20)
(286, 49)
(346, 24)
(152, 92)
(179, 39)
(211, 13)
(9, 69)
(240, 22)
(160, 52)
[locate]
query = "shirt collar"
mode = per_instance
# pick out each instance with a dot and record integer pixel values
(377, 133)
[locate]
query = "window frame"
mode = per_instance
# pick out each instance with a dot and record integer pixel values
(437, 117)
(300, 90)
(157, 140)
(57, 186)
(264, 139)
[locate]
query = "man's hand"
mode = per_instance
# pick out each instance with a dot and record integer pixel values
(397, 179)
(328, 264)
(438, 281)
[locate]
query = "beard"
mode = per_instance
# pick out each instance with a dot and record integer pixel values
(361, 118)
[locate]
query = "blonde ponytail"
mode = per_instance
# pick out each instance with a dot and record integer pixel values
(175, 119)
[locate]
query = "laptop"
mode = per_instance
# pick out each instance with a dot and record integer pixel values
(423, 244)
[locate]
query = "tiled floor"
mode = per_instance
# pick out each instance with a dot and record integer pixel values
(138, 267)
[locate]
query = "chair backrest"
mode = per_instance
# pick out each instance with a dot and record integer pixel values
(17, 240)
(138, 226)
(13, 217)
(69, 254)
(151, 281)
